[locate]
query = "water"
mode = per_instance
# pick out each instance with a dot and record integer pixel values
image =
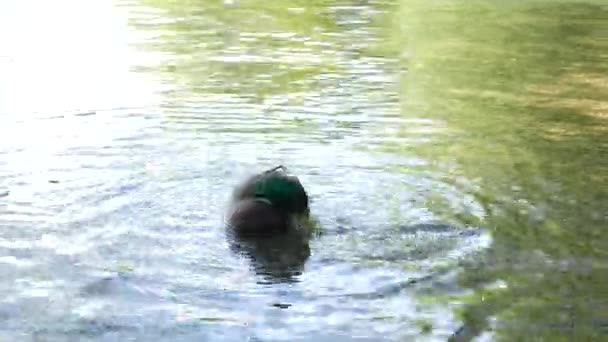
(455, 156)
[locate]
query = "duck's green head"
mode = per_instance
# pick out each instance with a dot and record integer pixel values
(282, 191)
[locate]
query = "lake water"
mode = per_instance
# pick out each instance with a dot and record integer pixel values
(456, 157)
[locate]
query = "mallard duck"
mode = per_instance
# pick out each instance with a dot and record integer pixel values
(268, 203)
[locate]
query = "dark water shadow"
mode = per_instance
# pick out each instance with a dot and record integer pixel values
(277, 259)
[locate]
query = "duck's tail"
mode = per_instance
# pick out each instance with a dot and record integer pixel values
(280, 167)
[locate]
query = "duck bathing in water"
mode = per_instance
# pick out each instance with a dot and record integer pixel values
(268, 204)
(268, 222)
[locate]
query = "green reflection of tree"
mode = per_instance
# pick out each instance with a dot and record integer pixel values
(252, 48)
(256, 58)
(522, 87)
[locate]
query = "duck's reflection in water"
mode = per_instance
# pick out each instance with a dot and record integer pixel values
(277, 259)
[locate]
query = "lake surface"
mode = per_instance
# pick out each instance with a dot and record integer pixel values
(456, 157)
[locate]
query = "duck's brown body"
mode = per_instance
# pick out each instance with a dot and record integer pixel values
(251, 217)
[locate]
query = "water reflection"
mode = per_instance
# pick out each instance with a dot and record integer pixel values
(277, 258)
(519, 85)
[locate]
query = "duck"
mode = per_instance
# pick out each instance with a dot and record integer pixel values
(270, 203)
(268, 223)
